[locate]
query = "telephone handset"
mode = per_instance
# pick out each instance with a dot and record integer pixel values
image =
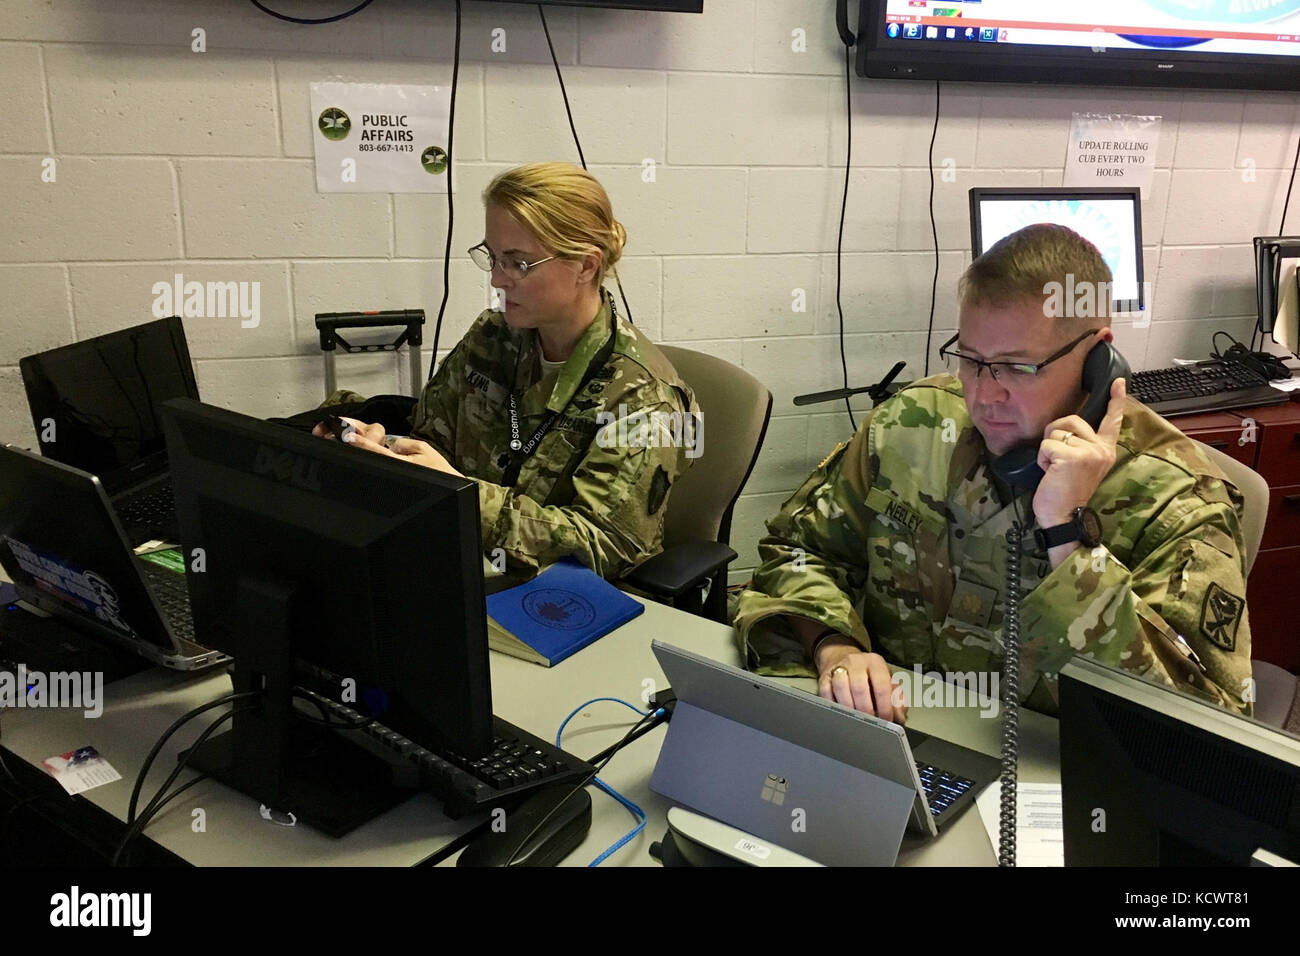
(1019, 466)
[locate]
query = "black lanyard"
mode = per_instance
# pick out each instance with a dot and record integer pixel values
(521, 451)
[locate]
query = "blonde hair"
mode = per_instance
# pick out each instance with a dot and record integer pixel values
(1029, 263)
(565, 209)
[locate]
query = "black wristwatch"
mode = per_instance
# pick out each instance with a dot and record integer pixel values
(1084, 526)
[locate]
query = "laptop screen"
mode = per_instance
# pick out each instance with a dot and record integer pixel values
(94, 403)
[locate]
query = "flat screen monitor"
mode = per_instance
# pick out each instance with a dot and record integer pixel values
(1153, 777)
(665, 6)
(318, 565)
(1242, 44)
(1111, 219)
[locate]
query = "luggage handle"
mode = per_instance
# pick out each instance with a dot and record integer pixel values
(411, 321)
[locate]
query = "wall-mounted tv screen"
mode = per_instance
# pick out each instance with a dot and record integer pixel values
(1226, 44)
(666, 6)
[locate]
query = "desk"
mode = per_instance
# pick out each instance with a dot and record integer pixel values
(139, 708)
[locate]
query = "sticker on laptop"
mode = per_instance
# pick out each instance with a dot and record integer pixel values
(82, 589)
(80, 770)
(169, 558)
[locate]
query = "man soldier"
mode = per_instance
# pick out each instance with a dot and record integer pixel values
(1131, 551)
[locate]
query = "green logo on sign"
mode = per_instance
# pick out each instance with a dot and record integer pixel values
(434, 160)
(334, 124)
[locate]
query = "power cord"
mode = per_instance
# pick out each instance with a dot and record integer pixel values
(451, 204)
(308, 21)
(137, 826)
(167, 734)
(934, 231)
(638, 814)
(653, 718)
(555, 61)
(1265, 363)
(844, 204)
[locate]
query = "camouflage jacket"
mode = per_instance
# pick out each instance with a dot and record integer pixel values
(905, 523)
(599, 498)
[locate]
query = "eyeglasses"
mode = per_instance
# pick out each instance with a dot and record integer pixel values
(1004, 372)
(515, 268)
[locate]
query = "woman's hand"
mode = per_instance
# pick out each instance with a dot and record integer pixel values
(408, 449)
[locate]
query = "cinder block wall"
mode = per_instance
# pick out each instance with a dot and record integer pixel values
(169, 161)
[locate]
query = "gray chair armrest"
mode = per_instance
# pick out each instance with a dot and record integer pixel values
(679, 569)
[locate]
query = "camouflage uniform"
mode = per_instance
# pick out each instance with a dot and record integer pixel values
(905, 523)
(603, 505)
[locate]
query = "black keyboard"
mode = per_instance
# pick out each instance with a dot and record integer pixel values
(944, 791)
(1208, 386)
(172, 594)
(150, 512)
(518, 764)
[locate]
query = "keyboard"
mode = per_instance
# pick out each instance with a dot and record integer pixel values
(149, 513)
(1208, 386)
(518, 764)
(173, 597)
(945, 793)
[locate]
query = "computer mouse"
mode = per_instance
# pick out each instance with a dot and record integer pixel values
(554, 840)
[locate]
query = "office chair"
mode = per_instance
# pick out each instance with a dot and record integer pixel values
(1277, 696)
(735, 410)
(1254, 492)
(1277, 691)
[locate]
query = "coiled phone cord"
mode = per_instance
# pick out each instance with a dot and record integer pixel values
(1010, 700)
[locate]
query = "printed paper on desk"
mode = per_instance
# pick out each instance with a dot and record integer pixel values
(1040, 831)
(80, 770)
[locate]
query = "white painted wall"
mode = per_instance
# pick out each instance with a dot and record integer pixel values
(201, 163)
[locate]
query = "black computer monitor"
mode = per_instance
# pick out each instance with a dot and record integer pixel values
(351, 574)
(1109, 218)
(1271, 252)
(1154, 777)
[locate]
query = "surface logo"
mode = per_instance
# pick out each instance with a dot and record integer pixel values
(774, 789)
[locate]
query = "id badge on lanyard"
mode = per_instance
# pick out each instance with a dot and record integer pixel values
(522, 449)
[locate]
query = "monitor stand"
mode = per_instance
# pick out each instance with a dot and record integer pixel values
(270, 753)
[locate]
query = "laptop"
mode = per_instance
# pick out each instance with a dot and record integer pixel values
(94, 406)
(69, 556)
(819, 779)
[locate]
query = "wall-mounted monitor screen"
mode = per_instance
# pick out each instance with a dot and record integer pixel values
(666, 6)
(1245, 44)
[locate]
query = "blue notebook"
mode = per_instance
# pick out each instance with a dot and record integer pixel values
(560, 611)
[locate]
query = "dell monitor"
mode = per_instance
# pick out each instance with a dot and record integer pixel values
(1154, 777)
(1109, 218)
(354, 575)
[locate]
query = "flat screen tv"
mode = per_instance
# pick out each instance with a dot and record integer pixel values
(666, 6)
(1223, 44)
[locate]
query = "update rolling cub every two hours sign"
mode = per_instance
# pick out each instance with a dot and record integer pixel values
(380, 138)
